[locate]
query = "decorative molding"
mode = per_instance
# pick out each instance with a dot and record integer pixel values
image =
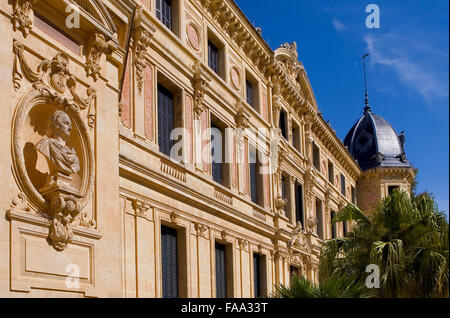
(242, 243)
(173, 217)
(200, 83)
(299, 239)
(140, 207)
(21, 16)
(222, 196)
(95, 48)
(200, 230)
(193, 36)
(142, 36)
(57, 199)
(59, 79)
(224, 235)
(171, 169)
(235, 78)
(19, 202)
(242, 118)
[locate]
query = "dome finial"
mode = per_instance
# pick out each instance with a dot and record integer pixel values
(366, 100)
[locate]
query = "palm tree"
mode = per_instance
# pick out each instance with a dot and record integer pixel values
(334, 287)
(406, 237)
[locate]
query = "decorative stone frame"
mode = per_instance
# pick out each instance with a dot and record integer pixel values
(43, 95)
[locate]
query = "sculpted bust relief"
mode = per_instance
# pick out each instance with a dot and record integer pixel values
(60, 157)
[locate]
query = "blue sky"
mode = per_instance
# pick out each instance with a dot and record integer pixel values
(408, 70)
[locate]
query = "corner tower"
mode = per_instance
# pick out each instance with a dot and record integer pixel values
(380, 152)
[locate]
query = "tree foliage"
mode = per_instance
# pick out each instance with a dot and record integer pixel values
(334, 287)
(406, 237)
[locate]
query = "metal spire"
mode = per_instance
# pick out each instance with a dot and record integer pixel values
(366, 100)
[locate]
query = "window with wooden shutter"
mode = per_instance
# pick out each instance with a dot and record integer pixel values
(319, 217)
(299, 204)
(164, 12)
(249, 93)
(165, 119)
(216, 154)
(221, 281)
(169, 262)
(283, 124)
(353, 195)
(253, 177)
(213, 57)
(333, 226)
(257, 275)
(343, 190)
(316, 157)
(330, 172)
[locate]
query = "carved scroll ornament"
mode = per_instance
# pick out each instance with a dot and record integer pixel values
(21, 15)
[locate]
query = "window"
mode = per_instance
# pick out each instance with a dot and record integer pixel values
(283, 124)
(294, 272)
(316, 157)
(213, 57)
(392, 189)
(343, 190)
(169, 262)
(353, 195)
(249, 93)
(319, 217)
(164, 12)
(259, 275)
(217, 153)
(286, 194)
(255, 177)
(333, 226)
(165, 119)
(296, 137)
(299, 204)
(345, 228)
(221, 275)
(330, 172)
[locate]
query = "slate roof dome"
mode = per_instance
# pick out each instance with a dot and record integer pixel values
(373, 143)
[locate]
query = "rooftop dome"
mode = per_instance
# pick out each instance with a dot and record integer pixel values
(373, 143)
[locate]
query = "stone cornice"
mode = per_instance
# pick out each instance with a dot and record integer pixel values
(402, 172)
(329, 139)
(234, 22)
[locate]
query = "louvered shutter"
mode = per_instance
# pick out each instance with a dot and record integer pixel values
(165, 119)
(169, 262)
(283, 125)
(221, 285)
(256, 276)
(299, 204)
(216, 160)
(253, 178)
(158, 9)
(249, 92)
(213, 57)
(343, 185)
(333, 226)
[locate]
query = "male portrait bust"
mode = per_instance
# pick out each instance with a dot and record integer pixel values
(59, 156)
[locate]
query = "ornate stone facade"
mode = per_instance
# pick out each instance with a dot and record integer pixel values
(92, 189)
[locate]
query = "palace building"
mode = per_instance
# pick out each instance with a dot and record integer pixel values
(160, 148)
